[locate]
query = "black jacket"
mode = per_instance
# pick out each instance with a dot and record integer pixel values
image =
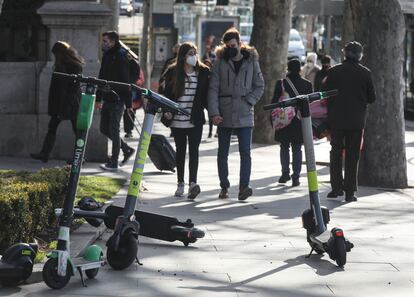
(293, 132)
(115, 67)
(347, 111)
(200, 98)
(64, 94)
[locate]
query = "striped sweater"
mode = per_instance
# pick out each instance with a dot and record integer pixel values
(186, 102)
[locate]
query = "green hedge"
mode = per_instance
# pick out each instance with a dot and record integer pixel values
(27, 203)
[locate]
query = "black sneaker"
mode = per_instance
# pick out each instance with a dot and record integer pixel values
(128, 154)
(335, 194)
(224, 193)
(295, 182)
(284, 178)
(109, 166)
(245, 193)
(40, 156)
(350, 197)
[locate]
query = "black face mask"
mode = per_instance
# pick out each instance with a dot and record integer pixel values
(232, 52)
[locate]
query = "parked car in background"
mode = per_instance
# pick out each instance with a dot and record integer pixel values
(296, 48)
(137, 4)
(126, 8)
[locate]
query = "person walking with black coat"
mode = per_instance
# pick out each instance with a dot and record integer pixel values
(114, 67)
(291, 135)
(64, 95)
(346, 116)
(186, 82)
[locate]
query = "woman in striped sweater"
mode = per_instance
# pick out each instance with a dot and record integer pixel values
(186, 82)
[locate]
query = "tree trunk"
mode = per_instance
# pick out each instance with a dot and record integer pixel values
(144, 42)
(347, 25)
(379, 26)
(271, 26)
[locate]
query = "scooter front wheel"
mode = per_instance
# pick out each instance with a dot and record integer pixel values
(126, 253)
(340, 251)
(51, 277)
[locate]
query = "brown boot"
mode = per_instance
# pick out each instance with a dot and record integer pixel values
(224, 193)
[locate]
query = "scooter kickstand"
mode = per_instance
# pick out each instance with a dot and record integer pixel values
(139, 263)
(81, 276)
(310, 254)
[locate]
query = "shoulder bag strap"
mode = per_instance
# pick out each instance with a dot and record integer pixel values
(292, 86)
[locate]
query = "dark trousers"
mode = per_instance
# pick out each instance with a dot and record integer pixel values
(350, 140)
(111, 115)
(128, 123)
(181, 135)
(244, 136)
(50, 138)
(296, 158)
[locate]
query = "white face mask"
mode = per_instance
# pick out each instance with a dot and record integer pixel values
(192, 60)
(310, 63)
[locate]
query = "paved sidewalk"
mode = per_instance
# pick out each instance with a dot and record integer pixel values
(257, 248)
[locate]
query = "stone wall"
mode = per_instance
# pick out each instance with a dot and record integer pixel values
(25, 85)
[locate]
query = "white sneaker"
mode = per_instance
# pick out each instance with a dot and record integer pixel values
(180, 190)
(193, 191)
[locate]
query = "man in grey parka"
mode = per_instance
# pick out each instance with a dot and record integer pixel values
(236, 84)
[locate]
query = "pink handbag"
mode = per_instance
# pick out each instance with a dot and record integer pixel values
(319, 109)
(282, 117)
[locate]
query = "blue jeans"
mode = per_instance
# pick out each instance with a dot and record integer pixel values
(244, 136)
(296, 156)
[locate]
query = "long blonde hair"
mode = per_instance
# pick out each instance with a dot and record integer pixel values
(66, 55)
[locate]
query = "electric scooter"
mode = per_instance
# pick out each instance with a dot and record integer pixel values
(122, 245)
(16, 264)
(59, 268)
(316, 218)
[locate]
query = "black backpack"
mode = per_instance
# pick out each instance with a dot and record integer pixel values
(134, 67)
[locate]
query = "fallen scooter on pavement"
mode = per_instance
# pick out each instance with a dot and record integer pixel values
(316, 218)
(16, 264)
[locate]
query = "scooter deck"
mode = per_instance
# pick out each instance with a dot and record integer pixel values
(86, 264)
(157, 226)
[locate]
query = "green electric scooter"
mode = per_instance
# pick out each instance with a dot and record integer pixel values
(316, 218)
(59, 268)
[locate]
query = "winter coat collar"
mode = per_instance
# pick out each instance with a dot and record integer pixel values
(248, 52)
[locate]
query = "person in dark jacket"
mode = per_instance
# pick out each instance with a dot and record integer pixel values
(346, 117)
(186, 82)
(64, 95)
(320, 76)
(291, 135)
(114, 67)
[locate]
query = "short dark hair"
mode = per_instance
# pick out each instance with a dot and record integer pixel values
(353, 50)
(294, 66)
(326, 59)
(112, 35)
(230, 34)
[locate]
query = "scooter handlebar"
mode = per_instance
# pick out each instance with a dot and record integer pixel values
(153, 97)
(294, 101)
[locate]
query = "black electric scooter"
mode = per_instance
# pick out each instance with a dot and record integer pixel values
(16, 264)
(122, 246)
(316, 218)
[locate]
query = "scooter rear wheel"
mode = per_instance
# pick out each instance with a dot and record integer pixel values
(340, 251)
(50, 276)
(126, 253)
